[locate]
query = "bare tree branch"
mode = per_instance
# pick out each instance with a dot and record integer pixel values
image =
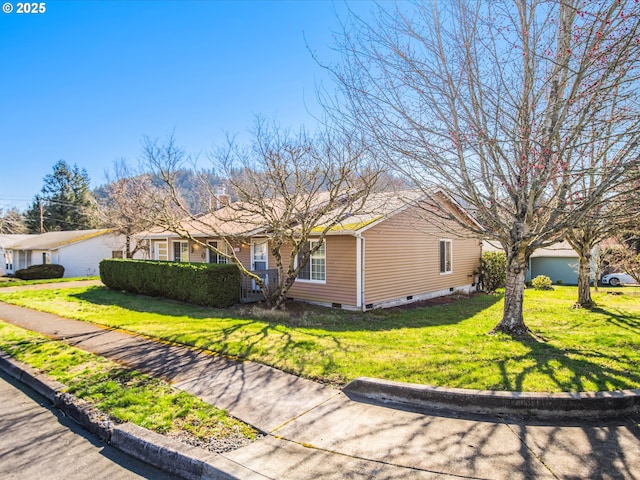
(289, 188)
(498, 104)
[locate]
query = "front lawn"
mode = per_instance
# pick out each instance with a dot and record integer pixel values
(16, 282)
(443, 345)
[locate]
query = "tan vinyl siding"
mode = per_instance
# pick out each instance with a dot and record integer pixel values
(340, 285)
(197, 253)
(402, 258)
(244, 255)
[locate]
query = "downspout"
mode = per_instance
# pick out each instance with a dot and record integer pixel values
(360, 267)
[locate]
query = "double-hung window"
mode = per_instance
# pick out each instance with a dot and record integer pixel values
(316, 268)
(446, 256)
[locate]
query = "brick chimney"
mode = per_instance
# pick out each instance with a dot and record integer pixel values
(222, 197)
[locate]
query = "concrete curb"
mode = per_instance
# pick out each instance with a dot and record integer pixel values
(162, 452)
(527, 404)
(22, 372)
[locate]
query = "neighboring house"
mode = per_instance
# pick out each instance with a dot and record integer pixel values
(79, 251)
(397, 254)
(558, 262)
(6, 254)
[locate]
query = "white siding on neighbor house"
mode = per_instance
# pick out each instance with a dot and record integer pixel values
(21, 259)
(6, 261)
(83, 258)
(5, 258)
(6, 252)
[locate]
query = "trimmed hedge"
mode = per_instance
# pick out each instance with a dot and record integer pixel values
(214, 285)
(40, 272)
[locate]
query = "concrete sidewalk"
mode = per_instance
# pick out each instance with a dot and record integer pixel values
(318, 432)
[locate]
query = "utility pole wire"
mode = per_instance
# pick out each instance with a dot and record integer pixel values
(41, 216)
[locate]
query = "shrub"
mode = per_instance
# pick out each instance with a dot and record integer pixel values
(559, 282)
(40, 272)
(493, 270)
(542, 282)
(214, 285)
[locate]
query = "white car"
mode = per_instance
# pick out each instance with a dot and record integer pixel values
(615, 279)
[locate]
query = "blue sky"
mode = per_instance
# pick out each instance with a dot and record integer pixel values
(86, 80)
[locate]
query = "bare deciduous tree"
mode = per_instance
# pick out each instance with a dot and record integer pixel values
(623, 259)
(12, 222)
(496, 102)
(617, 214)
(290, 188)
(131, 205)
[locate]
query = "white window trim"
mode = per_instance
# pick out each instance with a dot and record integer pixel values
(304, 280)
(218, 257)
(253, 259)
(450, 242)
(173, 256)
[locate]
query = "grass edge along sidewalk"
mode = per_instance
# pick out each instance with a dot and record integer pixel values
(16, 282)
(122, 395)
(446, 345)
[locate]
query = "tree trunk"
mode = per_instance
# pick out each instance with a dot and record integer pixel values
(127, 248)
(584, 274)
(281, 294)
(512, 321)
(268, 301)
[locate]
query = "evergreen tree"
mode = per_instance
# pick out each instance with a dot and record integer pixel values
(65, 199)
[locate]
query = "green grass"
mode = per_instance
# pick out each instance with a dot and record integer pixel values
(445, 345)
(123, 394)
(16, 282)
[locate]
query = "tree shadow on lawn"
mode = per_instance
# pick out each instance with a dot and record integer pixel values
(238, 340)
(622, 320)
(451, 311)
(147, 304)
(570, 369)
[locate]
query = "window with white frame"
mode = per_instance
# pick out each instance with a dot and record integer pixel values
(446, 256)
(181, 251)
(316, 268)
(216, 258)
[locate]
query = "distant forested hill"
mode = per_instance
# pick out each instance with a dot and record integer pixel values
(188, 184)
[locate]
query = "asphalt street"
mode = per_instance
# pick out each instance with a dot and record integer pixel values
(37, 441)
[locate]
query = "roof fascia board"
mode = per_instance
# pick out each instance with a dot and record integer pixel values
(456, 204)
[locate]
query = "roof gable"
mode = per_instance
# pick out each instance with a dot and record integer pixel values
(385, 205)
